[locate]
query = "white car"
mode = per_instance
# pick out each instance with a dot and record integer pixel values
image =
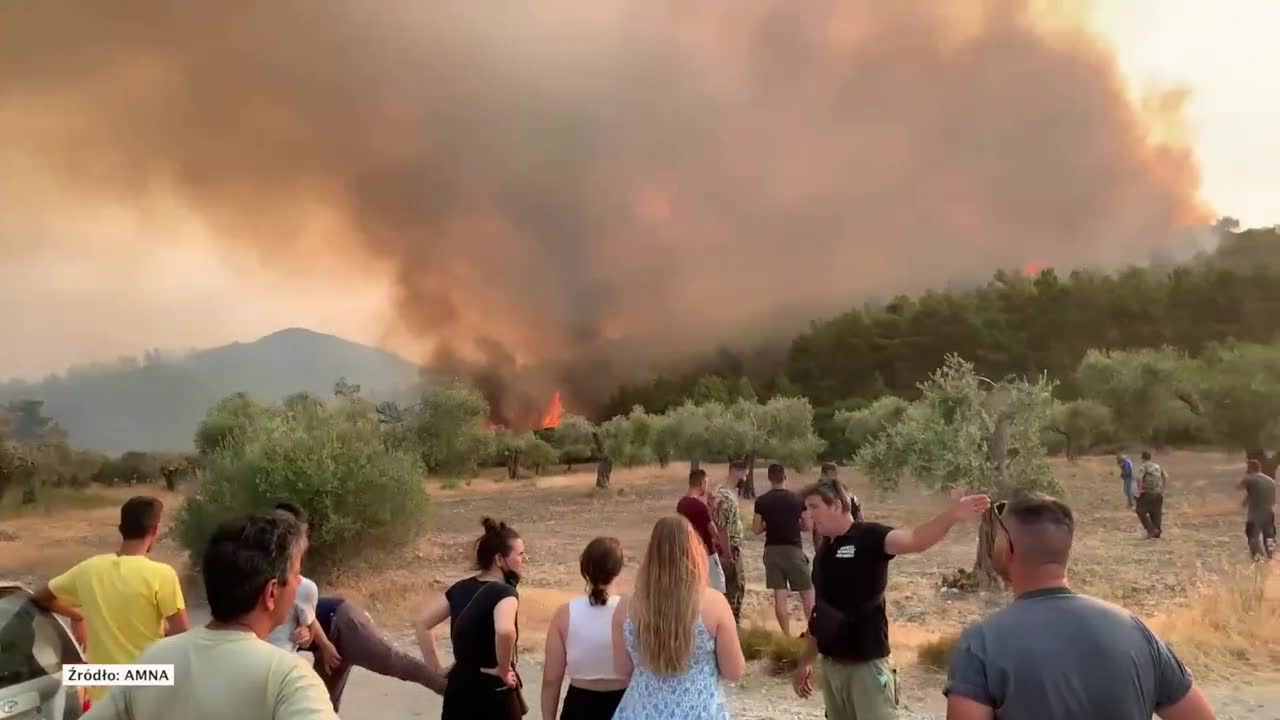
(34, 645)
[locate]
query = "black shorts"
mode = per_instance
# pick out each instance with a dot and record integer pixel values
(582, 704)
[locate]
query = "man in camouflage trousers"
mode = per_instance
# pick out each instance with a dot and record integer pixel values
(1150, 500)
(728, 520)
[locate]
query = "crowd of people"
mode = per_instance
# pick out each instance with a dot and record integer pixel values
(665, 650)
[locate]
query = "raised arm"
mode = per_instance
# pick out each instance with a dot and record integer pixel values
(905, 541)
(437, 612)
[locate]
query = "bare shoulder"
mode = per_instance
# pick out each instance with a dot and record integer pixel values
(714, 609)
(560, 620)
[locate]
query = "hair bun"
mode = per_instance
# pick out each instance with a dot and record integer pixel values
(490, 525)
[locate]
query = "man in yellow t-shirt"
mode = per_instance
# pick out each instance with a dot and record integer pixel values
(122, 602)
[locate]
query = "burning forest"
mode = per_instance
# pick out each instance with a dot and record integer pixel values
(564, 193)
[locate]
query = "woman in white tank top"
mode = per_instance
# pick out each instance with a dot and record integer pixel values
(580, 642)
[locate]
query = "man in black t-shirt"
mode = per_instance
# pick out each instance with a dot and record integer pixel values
(779, 515)
(849, 627)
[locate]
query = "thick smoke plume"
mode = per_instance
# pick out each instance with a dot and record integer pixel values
(541, 179)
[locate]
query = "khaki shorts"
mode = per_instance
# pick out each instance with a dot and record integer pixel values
(786, 567)
(860, 691)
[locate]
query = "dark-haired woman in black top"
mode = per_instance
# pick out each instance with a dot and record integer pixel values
(483, 627)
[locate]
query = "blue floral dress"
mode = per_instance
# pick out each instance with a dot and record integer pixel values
(695, 695)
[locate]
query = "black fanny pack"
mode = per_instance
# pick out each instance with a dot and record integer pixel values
(832, 628)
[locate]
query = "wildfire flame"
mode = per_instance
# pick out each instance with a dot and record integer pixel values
(551, 418)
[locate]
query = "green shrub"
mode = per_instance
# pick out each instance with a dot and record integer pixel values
(755, 641)
(784, 654)
(332, 462)
(936, 654)
(781, 653)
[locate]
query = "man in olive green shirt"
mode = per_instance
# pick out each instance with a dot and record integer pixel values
(1150, 500)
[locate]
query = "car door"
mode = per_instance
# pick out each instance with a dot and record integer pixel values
(34, 646)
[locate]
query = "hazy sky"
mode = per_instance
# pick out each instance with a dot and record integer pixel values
(62, 308)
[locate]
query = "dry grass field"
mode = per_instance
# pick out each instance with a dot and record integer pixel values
(1195, 585)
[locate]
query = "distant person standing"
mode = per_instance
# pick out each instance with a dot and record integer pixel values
(1260, 516)
(224, 671)
(728, 519)
(1056, 655)
(849, 627)
(780, 516)
(122, 602)
(1150, 501)
(693, 507)
(1126, 479)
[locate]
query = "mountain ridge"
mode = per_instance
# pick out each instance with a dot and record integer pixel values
(156, 403)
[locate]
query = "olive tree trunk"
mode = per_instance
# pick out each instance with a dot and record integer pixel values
(984, 568)
(604, 469)
(604, 473)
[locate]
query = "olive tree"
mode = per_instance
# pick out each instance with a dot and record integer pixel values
(574, 439)
(860, 426)
(356, 489)
(969, 432)
(1237, 391)
(448, 428)
(625, 440)
(1081, 424)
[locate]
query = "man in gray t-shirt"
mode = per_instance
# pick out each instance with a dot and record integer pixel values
(1259, 511)
(1056, 655)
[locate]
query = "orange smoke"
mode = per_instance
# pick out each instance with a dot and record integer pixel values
(551, 418)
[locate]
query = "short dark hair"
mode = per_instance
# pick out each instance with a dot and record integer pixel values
(697, 477)
(828, 468)
(242, 556)
(293, 509)
(496, 542)
(738, 465)
(139, 517)
(1147, 455)
(1046, 528)
(1253, 466)
(831, 492)
(600, 565)
(777, 473)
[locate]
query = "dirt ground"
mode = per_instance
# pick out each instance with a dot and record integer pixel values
(1163, 581)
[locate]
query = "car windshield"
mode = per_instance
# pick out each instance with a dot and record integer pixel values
(33, 644)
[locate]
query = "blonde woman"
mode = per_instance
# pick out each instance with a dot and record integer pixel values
(675, 638)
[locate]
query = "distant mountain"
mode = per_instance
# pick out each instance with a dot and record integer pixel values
(156, 403)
